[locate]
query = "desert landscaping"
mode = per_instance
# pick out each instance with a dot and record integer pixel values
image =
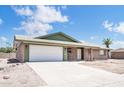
(18, 75)
(37, 74)
(111, 65)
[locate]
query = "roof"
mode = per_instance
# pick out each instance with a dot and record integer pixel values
(90, 44)
(118, 50)
(57, 33)
(26, 39)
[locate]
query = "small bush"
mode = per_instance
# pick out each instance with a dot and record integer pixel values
(7, 50)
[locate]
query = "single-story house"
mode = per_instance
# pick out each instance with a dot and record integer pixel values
(118, 53)
(56, 47)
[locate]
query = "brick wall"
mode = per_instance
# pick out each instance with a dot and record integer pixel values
(20, 53)
(97, 56)
(87, 54)
(93, 54)
(73, 55)
(117, 55)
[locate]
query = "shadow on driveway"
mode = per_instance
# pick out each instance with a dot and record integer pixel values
(13, 61)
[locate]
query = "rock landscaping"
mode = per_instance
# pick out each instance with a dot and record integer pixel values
(18, 75)
(112, 65)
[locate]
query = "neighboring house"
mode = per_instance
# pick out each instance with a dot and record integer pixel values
(56, 47)
(118, 53)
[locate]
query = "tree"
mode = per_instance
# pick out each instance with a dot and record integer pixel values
(9, 50)
(107, 42)
(2, 49)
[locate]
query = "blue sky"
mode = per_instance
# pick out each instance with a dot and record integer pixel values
(86, 23)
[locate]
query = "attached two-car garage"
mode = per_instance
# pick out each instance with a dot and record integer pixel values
(45, 53)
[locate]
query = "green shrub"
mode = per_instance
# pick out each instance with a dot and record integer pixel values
(7, 50)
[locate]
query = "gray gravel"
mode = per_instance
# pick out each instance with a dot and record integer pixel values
(18, 75)
(112, 65)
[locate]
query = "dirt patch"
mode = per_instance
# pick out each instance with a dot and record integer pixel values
(114, 66)
(18, 75)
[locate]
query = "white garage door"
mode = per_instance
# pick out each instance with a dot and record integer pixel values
(45, 53)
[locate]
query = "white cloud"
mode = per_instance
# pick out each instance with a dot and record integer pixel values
(39, 19)
(108, 25)
(94, 37)
(26, 11)
(119, 28)
(4, 39)
(114, 27)
(82, 41)
(1, 21)
(117, 44)
(47, 14)
(34, 28)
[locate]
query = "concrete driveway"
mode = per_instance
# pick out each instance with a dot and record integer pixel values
(74, 74)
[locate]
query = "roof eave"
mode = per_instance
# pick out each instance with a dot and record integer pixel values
(59, 33)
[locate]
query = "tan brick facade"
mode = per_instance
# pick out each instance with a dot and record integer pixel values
(97, 56)
(93, 54)
(20, 52)
(117, 55)
(88, 51)
(88, 54)
(73, 55)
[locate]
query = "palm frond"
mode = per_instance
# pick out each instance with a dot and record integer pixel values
(107, 42)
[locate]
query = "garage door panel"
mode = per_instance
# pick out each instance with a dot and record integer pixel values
(45, 53)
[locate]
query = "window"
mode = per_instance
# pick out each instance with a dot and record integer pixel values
(101, 52)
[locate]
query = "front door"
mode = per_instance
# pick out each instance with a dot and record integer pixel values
(69, 54)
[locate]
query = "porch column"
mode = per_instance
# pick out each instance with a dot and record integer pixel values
(91, 54)
(65, 55)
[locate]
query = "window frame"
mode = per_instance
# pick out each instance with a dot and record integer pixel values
(101, 52)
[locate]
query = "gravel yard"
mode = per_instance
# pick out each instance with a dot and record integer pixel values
(112, 65)
(18, 75)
